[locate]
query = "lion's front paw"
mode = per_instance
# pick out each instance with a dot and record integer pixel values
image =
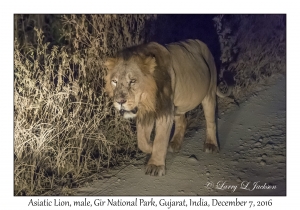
(210, 148)
(174, 147)
(154, 170)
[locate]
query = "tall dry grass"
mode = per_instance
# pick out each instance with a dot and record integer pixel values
(65, 130)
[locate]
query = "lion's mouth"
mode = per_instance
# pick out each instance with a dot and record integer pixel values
(123, 111)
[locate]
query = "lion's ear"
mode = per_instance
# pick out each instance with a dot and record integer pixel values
(110, 63)
(150, 62)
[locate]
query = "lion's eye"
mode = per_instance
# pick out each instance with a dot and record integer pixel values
(114, 82)
(132, 81)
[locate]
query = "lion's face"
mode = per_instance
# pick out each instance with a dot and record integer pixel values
(127, 82)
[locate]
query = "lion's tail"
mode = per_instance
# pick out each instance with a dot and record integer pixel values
(223, 95)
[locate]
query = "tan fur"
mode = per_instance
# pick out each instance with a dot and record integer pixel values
(162, 84)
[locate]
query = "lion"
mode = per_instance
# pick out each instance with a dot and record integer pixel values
(157, 85)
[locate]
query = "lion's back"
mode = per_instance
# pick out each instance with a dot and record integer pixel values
(190, 60)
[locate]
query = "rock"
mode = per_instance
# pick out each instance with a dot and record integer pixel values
(257, 144)
(269, 146)
(262, 162)
(235, 161)
(107, 175)
(193, 158)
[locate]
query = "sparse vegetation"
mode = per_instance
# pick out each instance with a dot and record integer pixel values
(65, 129)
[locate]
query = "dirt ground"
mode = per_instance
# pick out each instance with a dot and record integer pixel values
(252, 158)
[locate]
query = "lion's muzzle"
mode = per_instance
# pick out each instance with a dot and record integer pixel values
(121, 101)
(128, 114)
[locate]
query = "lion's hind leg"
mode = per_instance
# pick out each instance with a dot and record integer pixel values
(177, 139)
(209, 107)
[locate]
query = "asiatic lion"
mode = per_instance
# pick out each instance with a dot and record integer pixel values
(158, 85)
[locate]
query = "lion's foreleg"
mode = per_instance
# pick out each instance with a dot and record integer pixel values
(180, 127)
(156, 163)
(209, 108)
(143, 137)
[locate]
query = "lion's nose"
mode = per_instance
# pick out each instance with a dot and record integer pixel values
(122, 101)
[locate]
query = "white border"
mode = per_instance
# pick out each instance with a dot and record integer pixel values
(8, 201)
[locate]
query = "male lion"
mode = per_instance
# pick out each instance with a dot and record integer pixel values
(158, 85)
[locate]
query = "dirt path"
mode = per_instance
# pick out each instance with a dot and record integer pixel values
(253, 155)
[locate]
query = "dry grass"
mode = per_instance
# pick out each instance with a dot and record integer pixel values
(64, 127)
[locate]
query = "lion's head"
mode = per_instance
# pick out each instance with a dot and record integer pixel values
(137, 84)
